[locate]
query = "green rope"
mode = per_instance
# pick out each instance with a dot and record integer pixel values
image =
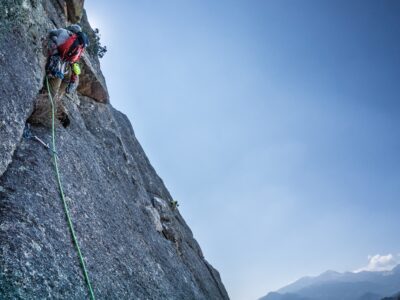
(67, 214)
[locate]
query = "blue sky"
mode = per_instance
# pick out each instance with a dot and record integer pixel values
(275, 124)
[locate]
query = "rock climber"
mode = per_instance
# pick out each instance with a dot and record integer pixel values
(66, 46)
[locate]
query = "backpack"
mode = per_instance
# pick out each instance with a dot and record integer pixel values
(72, 49)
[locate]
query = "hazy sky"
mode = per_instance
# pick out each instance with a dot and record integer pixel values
(274, 123)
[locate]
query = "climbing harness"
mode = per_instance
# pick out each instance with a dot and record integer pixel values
(66, 210)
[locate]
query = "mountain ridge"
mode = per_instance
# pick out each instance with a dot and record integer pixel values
(364, 285)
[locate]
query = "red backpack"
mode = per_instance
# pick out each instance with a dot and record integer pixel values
(73, 47)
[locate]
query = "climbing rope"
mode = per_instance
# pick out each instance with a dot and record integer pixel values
(66, 210)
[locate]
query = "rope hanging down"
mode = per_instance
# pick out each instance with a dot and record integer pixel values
(66, 210)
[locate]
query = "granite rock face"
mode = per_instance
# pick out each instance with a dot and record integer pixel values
(135, 244)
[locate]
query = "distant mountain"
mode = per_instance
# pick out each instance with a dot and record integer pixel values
(394, 297)
(333, 285)
(288, 296)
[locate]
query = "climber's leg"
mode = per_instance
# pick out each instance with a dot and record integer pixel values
(42, 109)
(62, 114)
(57, 89)
(54, 84)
